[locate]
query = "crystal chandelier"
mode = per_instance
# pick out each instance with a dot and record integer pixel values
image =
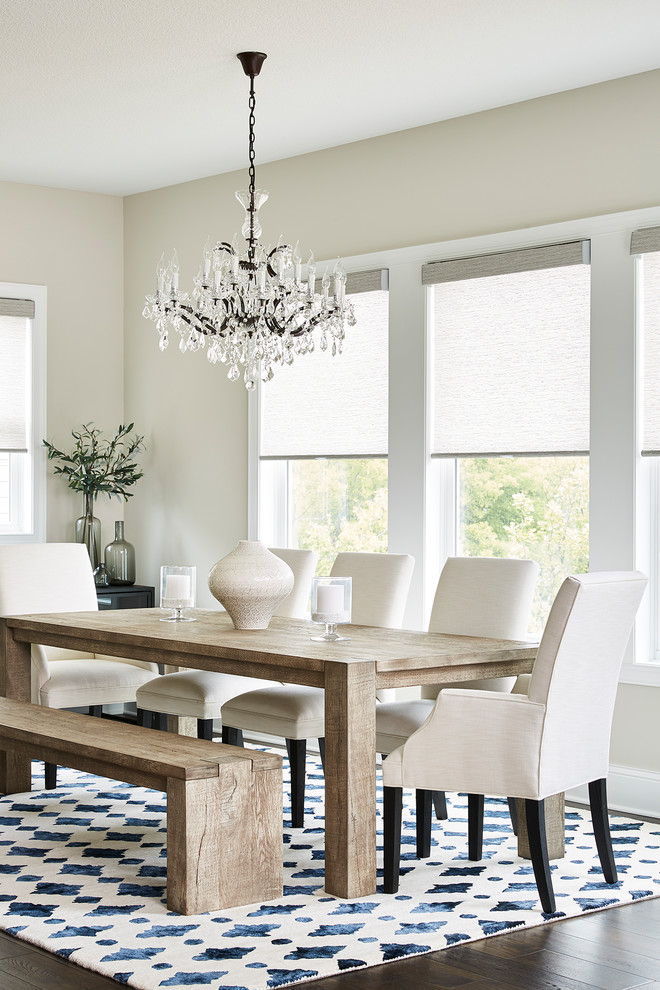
(251, 307)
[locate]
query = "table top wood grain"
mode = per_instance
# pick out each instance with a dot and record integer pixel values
(286, 643)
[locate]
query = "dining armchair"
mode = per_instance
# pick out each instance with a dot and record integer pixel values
(380, 584)
(57, 577)
(529, 746)
(200, 694)
(475, 596)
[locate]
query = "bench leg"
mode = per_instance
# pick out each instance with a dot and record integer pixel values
(15, 665)
(16, 771)
(224, 839)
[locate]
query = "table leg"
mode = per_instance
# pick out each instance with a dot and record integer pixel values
(350, 779)
(15, 681)
(182, 725)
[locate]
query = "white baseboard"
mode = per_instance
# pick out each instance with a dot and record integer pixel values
(629, 790)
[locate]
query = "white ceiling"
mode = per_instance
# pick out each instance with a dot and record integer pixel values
(120, 96)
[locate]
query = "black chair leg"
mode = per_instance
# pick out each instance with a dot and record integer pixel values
(513, 812)
(144, 718)
(50, 769)
(159, 721)
(423, 822)
(440, 805)
(392, 805)
(538, 848)
(322, 752)
(475, 825)
(231, 736)
(205, 729)
(297, 750)
(601, 823)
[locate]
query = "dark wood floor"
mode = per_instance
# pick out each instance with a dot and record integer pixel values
(615, 949)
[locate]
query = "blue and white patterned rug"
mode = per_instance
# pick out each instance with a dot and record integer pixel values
(83, 873)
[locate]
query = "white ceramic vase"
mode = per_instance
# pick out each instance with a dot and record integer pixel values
(250, 582)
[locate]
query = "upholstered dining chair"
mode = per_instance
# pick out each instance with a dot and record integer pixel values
(200, 694)
(57, 577)
(475, 596)
(529, 746)
(380, 584)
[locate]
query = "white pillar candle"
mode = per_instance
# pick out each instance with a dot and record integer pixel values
(177, 586)
(329, 598)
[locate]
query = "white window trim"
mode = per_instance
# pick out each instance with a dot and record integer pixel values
(614, 464)
(38, 293)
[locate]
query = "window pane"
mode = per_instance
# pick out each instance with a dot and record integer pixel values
(337, 504)
(4, 489)
(531, 507)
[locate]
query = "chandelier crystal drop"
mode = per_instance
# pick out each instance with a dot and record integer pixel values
(251, 307)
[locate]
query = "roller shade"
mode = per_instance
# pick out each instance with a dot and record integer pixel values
(324, 406)
(647, 242)
(511, 354)
(14, 364)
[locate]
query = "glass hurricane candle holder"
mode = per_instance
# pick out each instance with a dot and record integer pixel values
(331, 605)
(177, 591)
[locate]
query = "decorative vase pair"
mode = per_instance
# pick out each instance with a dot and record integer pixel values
(118, 563)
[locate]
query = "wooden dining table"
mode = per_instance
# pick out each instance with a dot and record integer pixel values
(350, 671)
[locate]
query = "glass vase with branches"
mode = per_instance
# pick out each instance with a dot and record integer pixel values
(98, 466)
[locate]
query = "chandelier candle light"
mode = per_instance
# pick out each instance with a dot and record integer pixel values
(251, 308)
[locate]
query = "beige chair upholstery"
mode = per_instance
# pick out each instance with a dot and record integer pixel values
(380, 584)
(57, 577)
(201, 694)
(532, 745)
(303, 564)
(475, 596)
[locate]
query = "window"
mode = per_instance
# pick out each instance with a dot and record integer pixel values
(22, 412)
(451, 499)
(511, 406)
(646, 243)
(323, 439)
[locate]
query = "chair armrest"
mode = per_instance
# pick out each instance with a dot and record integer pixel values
(483, 742)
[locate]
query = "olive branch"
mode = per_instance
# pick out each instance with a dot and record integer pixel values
(96, 465)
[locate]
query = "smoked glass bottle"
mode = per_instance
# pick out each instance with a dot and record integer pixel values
(120, 558)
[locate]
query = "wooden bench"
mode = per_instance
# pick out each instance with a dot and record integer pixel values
(224, 804)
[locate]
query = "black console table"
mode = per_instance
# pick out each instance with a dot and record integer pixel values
(125, 596)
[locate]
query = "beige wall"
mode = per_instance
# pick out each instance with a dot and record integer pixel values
(73, 244)
(577, 154)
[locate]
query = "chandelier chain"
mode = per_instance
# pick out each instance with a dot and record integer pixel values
(251, 170)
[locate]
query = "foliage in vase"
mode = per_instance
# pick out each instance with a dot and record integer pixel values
(99, 466)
